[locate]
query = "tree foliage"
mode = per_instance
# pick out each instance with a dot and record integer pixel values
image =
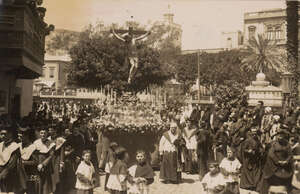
(60, 41)
(231, 93)
(98, 59)
(262, 54)
(292, 18)
(164, 39)
(215, 68)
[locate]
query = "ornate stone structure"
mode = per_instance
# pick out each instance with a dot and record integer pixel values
(261, 90)
(22, 49)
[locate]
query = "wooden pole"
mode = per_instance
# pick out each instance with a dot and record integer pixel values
(198, 60)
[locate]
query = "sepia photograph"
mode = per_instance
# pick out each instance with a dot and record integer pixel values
(149, 97)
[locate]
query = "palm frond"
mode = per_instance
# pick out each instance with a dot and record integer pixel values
(262, 53)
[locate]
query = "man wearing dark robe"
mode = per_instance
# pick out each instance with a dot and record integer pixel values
(57, 159)
(12, 174)
(203, 145)
(278, 169)
(258, 113)
(250, 156)
(221, 141)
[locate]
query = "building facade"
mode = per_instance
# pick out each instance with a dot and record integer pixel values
(175, 28)
(270, 23)
(54, 73)
(22, 48)
(231, 40)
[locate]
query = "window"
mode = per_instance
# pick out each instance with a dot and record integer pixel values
(270, 35)
(278, 33)
(251, 30)
(51, 74)
(229, 43)
(274, 33)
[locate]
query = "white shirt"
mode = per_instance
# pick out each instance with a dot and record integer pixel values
(214, 181)
(87, 171)
(191, 143)
(165, 145)
(231, 167)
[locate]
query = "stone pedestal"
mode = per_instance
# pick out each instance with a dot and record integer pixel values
(261, 90)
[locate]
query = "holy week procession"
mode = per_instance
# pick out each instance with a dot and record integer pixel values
(149, 97)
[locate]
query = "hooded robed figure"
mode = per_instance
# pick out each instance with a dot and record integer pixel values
(250, 155)
(278, 169)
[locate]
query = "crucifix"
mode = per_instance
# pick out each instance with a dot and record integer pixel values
(129, 37)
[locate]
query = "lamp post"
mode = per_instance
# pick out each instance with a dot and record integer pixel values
(198, 60)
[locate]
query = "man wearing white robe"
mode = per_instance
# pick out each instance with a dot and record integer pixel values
(170, 166)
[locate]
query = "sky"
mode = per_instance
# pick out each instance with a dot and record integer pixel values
(202, 21)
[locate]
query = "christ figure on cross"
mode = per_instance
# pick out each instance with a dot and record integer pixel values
(128, 37)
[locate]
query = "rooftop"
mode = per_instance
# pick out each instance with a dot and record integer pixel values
(271, 13)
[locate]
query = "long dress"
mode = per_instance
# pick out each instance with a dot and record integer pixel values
(169, 164)
(190, 163)
(57, 159)
(30, 162)
(274, 173)
(12, 175)
(251, 170)
(45, 154)
(203, 139)
(68, 177)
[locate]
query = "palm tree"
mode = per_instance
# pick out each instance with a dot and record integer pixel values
(263, 54)
(292, 42)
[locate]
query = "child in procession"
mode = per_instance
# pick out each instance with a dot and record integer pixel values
(141, 175)
(214, 181)
(117, 181)
(85, 175)
(230, 167)
(111, 158)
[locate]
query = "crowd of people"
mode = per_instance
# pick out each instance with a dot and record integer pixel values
(64, 146)
(234, 149)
